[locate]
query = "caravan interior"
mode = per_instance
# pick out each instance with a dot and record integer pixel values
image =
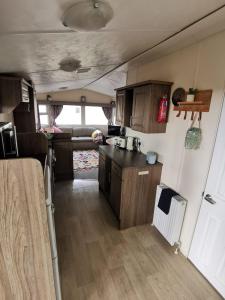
(112, 150)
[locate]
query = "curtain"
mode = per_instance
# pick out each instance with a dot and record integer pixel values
(54, 112)
(108, 114)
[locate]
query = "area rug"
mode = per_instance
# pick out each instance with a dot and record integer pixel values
(85, 160)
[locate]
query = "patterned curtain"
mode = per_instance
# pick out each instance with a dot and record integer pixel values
(108, 114)
(54, 112)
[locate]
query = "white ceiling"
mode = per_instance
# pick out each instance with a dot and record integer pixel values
(33, 40)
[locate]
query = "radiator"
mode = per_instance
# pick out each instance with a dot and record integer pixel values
(170, 225)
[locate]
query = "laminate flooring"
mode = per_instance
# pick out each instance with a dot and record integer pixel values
(97, 261)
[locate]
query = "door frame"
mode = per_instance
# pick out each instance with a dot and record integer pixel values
(210, 163)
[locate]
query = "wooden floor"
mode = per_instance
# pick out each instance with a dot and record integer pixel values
(97, 261)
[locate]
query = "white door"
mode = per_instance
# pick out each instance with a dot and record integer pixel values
(208, 245)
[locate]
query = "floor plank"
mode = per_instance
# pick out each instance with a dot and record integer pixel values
(97, 261)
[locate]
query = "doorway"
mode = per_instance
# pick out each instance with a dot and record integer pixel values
(208, 246)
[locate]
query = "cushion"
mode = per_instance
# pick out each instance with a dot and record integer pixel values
(83, 131)
(57, 130)
(67, 129)
(82, 139)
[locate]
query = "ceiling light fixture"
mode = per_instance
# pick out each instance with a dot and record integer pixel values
(89, 15)
(69, 65)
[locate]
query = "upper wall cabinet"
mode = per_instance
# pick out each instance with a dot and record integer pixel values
(124, 107)
(14, 94)
(17, 95)
(137, 106)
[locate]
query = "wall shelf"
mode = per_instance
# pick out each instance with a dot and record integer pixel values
(201, 103)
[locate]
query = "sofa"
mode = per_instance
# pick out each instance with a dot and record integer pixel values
(82, 138)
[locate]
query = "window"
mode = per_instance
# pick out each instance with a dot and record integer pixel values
(94, 115)
(43, 112)
(70, 115)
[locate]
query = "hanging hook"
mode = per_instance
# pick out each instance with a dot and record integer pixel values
(179, 112)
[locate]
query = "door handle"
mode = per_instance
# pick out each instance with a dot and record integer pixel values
(210, 199)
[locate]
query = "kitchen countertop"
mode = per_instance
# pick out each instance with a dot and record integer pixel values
(42, 158)
(125, 158)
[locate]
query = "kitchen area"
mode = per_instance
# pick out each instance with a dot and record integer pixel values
(127, 178)
(28, 237)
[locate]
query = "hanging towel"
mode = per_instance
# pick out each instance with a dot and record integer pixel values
(165, 200)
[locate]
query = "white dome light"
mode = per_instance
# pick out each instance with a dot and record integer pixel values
(88, 15)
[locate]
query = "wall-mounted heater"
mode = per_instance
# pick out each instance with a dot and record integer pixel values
(170, 225)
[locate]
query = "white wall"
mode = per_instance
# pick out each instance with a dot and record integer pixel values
(74, 95)
(202, 66)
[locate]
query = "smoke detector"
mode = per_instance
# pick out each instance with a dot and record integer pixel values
(69, 65)
(88, 15)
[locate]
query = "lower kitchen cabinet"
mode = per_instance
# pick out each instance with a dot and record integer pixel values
(115, 188)
(129, 184)
(63, 153)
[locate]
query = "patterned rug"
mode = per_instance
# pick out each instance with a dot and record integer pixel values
(85, 160)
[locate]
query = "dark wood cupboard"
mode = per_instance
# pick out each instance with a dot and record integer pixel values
(115, 187)
(123, 107)
(139, 114)
(137, 106)
(129, 184)
(63, 152)
(17, 95)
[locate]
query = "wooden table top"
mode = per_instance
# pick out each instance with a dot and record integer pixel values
(125, 158)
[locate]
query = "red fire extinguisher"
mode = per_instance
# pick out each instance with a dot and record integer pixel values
(163, 110)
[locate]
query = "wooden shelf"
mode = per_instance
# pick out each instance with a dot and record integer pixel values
(201, 103)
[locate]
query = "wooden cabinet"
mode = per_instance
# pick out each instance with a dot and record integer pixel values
(115, 188)
(25, 115)
(63, 152)
(139, 114)
(120, 103)
(104, 173)
(17, 95)
(123, 107)
(131, 187)
(137, 106)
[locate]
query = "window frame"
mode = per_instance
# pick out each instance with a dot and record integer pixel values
(83, 115)
(43, 114)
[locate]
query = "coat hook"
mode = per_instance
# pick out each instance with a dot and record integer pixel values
(179, 112)
(185, 115)
(200, 116)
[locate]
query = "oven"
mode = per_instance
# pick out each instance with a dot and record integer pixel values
(8, 140)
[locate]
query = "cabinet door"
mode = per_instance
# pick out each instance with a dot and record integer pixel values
(120, 106)
(115, 189)
(104, 174)
(101, 172)
(64, 160)
(139, 113)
